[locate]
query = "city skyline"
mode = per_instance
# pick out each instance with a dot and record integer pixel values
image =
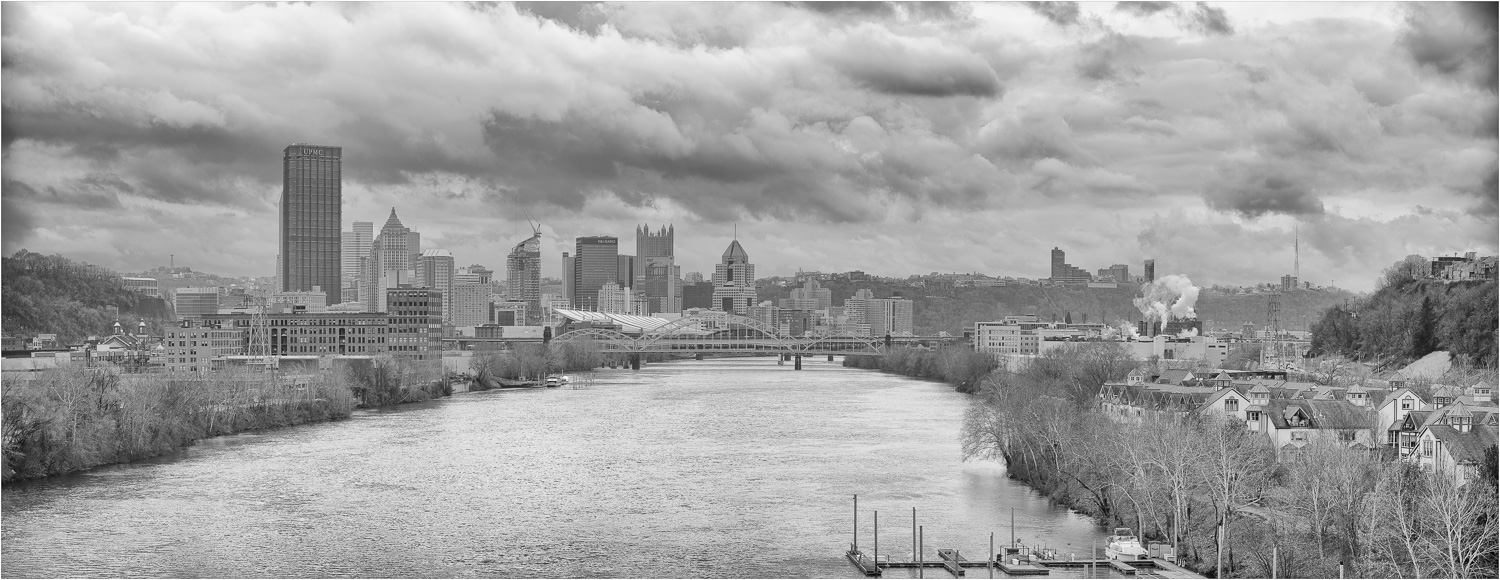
(890, 138)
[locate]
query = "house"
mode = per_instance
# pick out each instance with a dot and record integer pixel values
(1227, 402)
(1175, 377)
(1358, 395)
(1393, 410)
(1126, 402)
(1416, 422)
(1392, 380)
(1455, 443)
(1136, 377)
(1481, 392)
(1442, 395)
(1296, 423)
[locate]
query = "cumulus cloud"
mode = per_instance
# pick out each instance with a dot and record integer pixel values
(1457, 39)
(923, 118)
(1256, 189)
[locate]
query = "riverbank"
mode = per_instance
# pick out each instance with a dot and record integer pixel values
(956, 365)
(75, 418)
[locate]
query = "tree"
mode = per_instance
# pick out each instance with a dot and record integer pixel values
(1412, 267)
(1236, 470)
(1424, 331)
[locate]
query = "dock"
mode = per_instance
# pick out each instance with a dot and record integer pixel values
(952, 561)
(865, 565)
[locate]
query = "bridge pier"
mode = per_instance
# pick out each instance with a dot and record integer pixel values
(799, 363)
(830, 358)
(698, 356)
(635, 362)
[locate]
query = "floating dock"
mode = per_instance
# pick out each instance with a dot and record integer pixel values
(867, 566)
(1021, 568)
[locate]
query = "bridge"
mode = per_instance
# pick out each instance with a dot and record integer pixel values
(721, 333)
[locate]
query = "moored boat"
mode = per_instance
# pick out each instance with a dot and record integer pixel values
(1123, 545)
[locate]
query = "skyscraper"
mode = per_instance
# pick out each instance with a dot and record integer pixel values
(523, 272)
(311, 219)
(1150, 271)
(392, 261)
(596, 260)
(355, 249)
(734, 281)
(658, 278)
(435, 271)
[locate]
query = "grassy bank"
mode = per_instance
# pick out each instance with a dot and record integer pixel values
(956, 365)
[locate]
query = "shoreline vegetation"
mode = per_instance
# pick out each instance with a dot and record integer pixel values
(74, 417)
(1223, 495)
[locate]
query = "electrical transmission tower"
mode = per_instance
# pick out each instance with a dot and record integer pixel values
(1270, 351)
(260, 333)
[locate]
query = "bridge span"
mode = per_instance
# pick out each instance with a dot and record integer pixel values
(721, 333)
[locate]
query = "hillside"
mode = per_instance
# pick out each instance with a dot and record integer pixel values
(1409, 318)
(52, 294)
(957, 309)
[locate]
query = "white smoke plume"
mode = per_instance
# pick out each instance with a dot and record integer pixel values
(1128, 330)
(1168, 298)
(1188, 333)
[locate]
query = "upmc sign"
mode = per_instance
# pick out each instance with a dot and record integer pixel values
(320, 152)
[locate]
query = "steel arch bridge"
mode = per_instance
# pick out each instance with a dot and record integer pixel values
(724, 334)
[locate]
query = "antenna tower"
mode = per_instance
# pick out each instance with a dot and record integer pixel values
(1297, 254)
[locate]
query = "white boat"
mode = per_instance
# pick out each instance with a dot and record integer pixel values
(1123, 545)
(553, 382)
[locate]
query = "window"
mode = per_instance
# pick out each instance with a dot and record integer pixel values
(1252, 415)
(1405, 404)
(1299, 436)
(1346, 437)
(1427, 448)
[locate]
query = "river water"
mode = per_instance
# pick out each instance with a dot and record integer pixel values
(717, 468)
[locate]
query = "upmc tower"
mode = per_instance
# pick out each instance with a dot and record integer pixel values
(311, 219)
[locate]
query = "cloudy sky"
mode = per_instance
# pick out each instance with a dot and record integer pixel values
(891, 138)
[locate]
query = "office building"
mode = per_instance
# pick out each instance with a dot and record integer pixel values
(199, 349)
(811, 296)
(698, 294)
(392, 261)
(658, 279)
(734, 281)
(1150, 271)
(356, 247)
(311, 221)
(435, 271)
(196, 302)
(523, 275)
(567, 273)
(1001, 338)
(1118, 272)
(473, 274)
(292, 333)
(145, 286)
(416, 323)
(854, 306)
(596, 261)
(615, 299)
(470, 303)
(888, 316)
(301, 301)
(508, 313)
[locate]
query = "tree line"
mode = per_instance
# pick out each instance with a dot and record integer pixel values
(1228, 500)
(52, 294)
(957, 365)
(1410, 316)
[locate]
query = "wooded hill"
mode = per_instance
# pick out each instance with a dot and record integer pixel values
(52, 294)
(1409, 317)
(957, 309)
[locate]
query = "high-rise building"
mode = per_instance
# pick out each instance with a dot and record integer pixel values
(1150, 271)
(698, 294)
(568, 280)
(811, 296)
(355, 248)
(658, 278)
(693, 277)
(888, 316)
(734, 281)
(596, 261)
(854, 306)
(523, 273)
(311, 219)
(392, 261)
(470, 304)
(435, 271)
(416, 328)
(1062, 271)
(473, 274)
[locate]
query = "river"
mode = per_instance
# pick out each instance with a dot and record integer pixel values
(716, 468)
